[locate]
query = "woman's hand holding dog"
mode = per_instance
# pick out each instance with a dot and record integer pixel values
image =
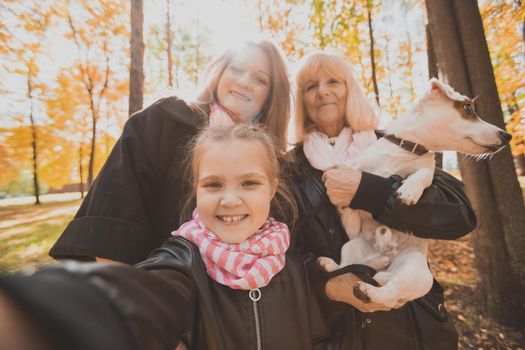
(341, 288)
(341, 184)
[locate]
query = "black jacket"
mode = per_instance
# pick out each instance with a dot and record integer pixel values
(114, 306)
(443, 212)
(135, 201)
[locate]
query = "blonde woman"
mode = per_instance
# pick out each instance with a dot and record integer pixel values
(334, 122)
(135, 201)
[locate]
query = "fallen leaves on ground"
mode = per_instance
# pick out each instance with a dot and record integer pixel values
(452, 263)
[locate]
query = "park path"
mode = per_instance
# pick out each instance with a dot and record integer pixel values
(45, 198)
(67, 209)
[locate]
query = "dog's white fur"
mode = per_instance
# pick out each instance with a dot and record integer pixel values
(439, 123)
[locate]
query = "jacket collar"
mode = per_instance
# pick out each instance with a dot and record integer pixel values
(179, 110)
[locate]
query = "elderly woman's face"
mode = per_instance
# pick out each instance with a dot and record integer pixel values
(325, 102)
(245, 85)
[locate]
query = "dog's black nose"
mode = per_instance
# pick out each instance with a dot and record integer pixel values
(505, 137)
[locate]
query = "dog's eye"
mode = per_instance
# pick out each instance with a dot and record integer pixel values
(468, 108)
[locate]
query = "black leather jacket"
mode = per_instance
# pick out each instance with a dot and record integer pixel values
(114, 306)
(443, 212)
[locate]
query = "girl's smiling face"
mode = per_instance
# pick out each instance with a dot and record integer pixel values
(234, 188)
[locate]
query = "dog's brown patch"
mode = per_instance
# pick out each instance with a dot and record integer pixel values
(466, 109)
(360, 294)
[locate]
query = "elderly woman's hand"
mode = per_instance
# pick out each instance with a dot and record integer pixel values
(341, 288)
(341, 184)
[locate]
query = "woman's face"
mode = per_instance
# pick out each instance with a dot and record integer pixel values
(325, 102)
(245, 85)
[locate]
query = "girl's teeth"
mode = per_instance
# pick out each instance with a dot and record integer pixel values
(232, 218)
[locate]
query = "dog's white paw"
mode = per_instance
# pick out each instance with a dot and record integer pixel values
(327, 264)
(383, 277)
(409, 194)
(377, 295)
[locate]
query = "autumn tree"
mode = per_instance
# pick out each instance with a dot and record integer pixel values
(98, 31)
(463, 58)
(8, 169)
(169, 43)
(66, 107)
(6, 35)
(24, 45)
(507, 48)
(369, 7)
(32, 70)
(190, 54)
(279, 19)
(136, 70)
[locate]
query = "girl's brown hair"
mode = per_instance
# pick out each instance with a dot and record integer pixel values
(283, 206)
(276, 111)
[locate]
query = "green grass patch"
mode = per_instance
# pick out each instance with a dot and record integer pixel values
(27, 245)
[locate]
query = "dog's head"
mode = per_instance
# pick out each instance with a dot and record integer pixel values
(447, 121)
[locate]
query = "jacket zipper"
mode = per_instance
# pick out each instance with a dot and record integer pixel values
(255, 295)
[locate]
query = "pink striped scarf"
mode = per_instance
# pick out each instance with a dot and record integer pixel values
(219, 116)
(246, 265)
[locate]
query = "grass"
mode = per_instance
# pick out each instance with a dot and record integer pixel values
(26, 242)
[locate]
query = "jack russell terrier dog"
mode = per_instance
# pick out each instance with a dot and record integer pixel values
(442, 120)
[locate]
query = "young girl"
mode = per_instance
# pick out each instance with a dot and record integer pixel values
(223, 281)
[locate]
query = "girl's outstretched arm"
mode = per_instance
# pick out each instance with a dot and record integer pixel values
(101, 306)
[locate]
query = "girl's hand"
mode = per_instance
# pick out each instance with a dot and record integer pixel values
(341, 184)
(18, 330)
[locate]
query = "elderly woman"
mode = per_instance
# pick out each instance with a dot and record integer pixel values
(333, 112)
(135, 202)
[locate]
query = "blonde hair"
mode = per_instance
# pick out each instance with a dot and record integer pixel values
(283, 206)
(276, 110)
(360, 114)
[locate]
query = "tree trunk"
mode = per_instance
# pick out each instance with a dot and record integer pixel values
(136, 71)
(197, 60)
(433, 73)
(36, 187)
(91, 164)
(369, 5)
(492, 186)
(81, 175)
(409, 66)
(169, 44)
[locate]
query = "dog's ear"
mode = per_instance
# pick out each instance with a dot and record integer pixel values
(436, 89)
(436, 85)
